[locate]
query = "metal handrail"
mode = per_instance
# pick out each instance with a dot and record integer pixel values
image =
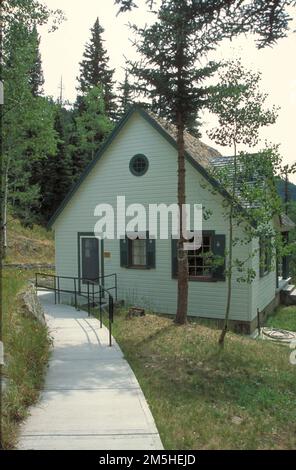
(90, 294)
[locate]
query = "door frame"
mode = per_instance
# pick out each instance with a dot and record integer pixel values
(81, 235)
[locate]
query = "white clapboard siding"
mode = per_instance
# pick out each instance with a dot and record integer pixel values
(263, 288)
(110, 177)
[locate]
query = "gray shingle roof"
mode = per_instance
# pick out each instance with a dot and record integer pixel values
(202, 153)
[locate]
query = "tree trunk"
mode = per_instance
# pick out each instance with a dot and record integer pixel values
(182, 300)
(229, 280)
(181, 315)
(230, 253)
(4, 212)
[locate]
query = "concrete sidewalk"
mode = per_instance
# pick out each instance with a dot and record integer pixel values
(91, 399)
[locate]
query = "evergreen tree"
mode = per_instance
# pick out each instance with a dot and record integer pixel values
(92, 125)
(167, 74)
(36, 78)
(95, 71)
(184, 32)
(269, 20)
(55, 174)
(125, 95)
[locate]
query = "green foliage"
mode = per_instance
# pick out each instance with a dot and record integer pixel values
(92, 124)
(29, 13)
(54, 174)
(283, 318)
(269, 21)
(167, 72)
(239, 105)
(36, 78)
(125, 95)
(28, 133)
(27, 347)
(95, 72)
(248, 178)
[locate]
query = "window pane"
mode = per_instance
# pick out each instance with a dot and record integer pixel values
(199, 261)
(138, 252)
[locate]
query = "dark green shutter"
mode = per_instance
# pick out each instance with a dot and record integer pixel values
(219, 244)
(124, 256)
(174, 257)
(150, 252)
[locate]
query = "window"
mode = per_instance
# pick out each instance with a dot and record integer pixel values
(137, 252)
(208, 262)
(139, 165)
(200, 260)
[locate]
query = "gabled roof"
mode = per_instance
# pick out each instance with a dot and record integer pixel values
(196, 152)
(227, 162)
(200, 152)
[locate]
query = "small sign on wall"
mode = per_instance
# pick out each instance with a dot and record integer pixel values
(107, 254)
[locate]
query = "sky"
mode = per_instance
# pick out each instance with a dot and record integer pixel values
(62, 51)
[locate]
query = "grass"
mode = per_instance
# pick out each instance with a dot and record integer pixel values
(28, 245)
(284, 318)
(243, 397)
(27, 348)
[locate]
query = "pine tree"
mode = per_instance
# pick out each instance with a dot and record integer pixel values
(92, 125)
(56, 175)
(125, 95)
(167, 74)
(269, 20)
(184, 32)
(36, 78)
(95, 71)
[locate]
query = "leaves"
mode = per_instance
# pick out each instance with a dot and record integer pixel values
(239, 105)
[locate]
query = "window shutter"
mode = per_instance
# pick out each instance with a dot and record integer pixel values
(124, 256)
(150, 252)
(219, 244)
(174, 257)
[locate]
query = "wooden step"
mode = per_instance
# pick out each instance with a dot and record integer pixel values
(289, 288)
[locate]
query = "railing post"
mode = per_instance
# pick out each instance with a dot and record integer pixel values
(93, 295)
(55, 289)
(59, 294)
(36, 280)
(100, 300)
(88, 304)
(110, 318)
(116, 287)
(75, 293)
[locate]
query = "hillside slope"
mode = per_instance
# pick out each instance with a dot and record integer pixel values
(28, 245)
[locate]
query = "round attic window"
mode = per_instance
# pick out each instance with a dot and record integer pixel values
(139, 165)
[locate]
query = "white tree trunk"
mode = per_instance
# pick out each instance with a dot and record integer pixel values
(4, 212)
